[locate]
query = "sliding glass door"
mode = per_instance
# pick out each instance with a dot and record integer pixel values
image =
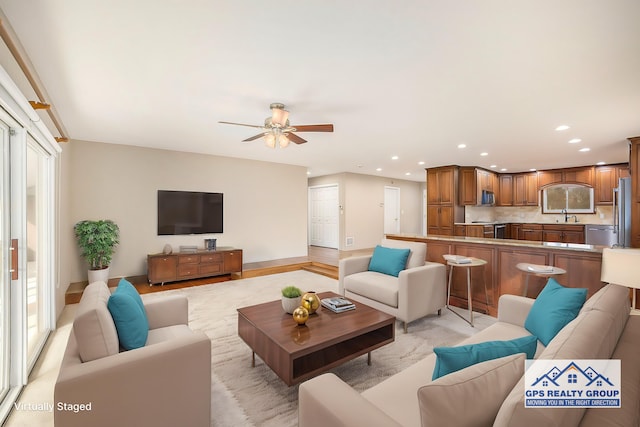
(27, 273)
(5, 263)
(36, 281)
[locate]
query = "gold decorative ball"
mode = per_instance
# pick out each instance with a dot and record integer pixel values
(310, 301)
(300, 315)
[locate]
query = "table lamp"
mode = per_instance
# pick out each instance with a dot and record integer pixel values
(620, 266)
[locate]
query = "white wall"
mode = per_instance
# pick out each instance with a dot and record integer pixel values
(265, 204)
(362, 201)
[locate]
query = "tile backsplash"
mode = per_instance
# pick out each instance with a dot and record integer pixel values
(533, 214)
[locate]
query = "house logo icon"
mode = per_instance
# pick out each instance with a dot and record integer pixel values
(584, 383)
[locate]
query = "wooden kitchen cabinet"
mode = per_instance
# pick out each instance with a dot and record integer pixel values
(183, 266)
(440, 220)
(441, 185)
(563, 233)
(505, 190)
(606, 179)
(443, 209)
(532, 232)
(459, 230)
(525, 189)
(581, 175)
(473, 181)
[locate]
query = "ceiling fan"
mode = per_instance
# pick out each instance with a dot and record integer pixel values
(277, 129)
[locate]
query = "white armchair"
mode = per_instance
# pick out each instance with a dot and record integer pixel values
(420, 289)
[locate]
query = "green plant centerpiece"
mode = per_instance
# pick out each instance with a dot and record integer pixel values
(97, 241)
(290, 298)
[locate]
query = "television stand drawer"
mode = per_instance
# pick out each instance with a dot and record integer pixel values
(171, 267)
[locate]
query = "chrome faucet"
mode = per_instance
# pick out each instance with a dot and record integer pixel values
(566, 215)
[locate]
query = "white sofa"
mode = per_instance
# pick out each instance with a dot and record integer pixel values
(603, 329)
(165, 383)
(418, 290)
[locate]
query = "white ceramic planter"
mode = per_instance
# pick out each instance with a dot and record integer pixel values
(99, 275)
(290, 304)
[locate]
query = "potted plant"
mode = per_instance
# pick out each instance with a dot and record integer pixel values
(97, 241)
(290, 298)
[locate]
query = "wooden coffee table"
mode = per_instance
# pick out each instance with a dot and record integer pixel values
(296, 353)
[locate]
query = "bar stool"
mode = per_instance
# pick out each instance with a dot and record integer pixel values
(457, 261)
(539, 271)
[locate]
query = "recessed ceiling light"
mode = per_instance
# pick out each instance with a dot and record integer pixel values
(408, 173)
(585, 149)
(532, 170)
(308, 173)
(503, 169)
(379, 169)
(601, 163)
(493, 166)
(462, 145)
(394, 158)
(484, 153)
(574, 140)
(421, 163)
(562, 127)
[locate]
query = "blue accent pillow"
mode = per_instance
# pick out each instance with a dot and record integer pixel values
(129, 316)
(125, 286)
(452, 359)
(389, 261)
(555, 306)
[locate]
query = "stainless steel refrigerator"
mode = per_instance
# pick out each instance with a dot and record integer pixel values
(622, 212)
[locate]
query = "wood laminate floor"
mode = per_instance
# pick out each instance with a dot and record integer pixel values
(319, 260)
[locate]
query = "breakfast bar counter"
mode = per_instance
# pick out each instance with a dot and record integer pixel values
(581, 262)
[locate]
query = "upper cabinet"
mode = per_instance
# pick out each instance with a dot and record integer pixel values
(525, 189)
(505, 190)
(441, 185)
(606, 179)
(582, 175)
(473, 181)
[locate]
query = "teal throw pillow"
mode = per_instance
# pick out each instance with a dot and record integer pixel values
(389, 261)
(129, 316)
(125, 286)
(553, 309)
(452, 359)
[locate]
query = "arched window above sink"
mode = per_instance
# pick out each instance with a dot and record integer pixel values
(567, 198)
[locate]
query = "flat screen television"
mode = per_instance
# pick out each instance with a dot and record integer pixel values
(189, 212)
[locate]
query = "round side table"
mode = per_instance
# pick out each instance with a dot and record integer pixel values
(473, 262)
(539, 271)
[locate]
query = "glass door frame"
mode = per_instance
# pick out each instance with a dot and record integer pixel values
(26, 128)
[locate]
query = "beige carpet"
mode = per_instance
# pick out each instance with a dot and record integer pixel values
(245, 396)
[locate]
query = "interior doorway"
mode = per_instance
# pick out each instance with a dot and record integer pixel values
(391, 210)
(324, 216)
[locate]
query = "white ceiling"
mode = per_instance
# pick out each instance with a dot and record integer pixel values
(409, 78)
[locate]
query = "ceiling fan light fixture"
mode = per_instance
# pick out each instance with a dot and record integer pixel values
(283, 141)
(270, 140)
(279, 117)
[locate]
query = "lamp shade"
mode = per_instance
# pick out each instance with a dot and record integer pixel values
(620, 266)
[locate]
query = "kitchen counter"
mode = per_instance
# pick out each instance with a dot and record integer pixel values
(581, 262)
(503, 242)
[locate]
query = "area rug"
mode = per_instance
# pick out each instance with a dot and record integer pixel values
(246, 396)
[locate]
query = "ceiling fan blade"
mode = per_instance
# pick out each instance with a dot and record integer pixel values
(295, 138)
(314, 128)
(242, 124)
(260, 135)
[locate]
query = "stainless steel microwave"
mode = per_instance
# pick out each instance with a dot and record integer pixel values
(488, 198)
